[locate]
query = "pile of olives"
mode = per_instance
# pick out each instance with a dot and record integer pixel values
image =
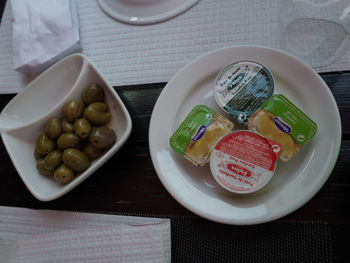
(68, 146)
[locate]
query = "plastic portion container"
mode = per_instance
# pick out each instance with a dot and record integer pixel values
(280, 120)
(241, 88)
(244, 161)
(196, 136)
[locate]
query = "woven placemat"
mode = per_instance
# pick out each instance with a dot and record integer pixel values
(198, 240)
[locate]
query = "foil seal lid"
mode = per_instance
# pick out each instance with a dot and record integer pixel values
(244, 161)
(242, 87)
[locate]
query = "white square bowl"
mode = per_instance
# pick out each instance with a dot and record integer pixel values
(25, 117)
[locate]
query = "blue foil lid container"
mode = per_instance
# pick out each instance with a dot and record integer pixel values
(242, 87)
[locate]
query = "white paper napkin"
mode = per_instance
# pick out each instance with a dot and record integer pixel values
(42, 33)
(129, 54)
(54, 236)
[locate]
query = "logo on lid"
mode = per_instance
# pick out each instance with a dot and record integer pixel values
(199, 133)
(239, 170)
(280, 124)
(235, 81)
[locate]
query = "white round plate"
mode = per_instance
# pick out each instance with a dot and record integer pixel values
(294, 182)
(144, 11)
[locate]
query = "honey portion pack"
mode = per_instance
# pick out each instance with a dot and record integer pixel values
(278, 119)
(196, 136)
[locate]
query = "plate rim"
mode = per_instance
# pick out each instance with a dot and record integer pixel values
(148, 19)
(281, 213)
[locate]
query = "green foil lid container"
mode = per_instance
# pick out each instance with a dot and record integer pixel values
(198, 133)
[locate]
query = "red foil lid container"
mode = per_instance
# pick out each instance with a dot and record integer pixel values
(244, 161)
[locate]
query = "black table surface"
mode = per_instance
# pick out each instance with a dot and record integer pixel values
(128, 183)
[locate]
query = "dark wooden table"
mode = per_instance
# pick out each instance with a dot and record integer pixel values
(128, 183)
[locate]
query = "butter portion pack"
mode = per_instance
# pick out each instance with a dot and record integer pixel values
(196, 136)
(278, 119)
(242, 87)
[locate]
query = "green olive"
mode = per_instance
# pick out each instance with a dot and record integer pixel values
(92, 152)
(92, 94)
(53, 160)
(67, 140)
(64, 174)
(73, 110)
(41, 167)
(53, 128)
(96, 113)
(67, 126)
(75, 159)
(44, 145)
(102, 137)
(38, 155)
(82, 128)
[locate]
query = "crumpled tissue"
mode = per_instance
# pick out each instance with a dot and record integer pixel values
(43, 32)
